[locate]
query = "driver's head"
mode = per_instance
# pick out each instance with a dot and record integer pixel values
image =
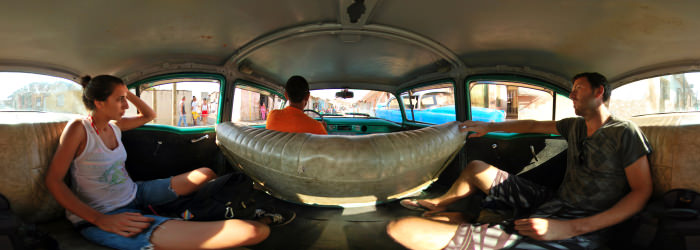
(297, 89)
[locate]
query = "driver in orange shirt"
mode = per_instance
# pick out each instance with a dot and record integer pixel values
(292, 118)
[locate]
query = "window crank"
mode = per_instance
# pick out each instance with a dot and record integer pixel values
(199, 139)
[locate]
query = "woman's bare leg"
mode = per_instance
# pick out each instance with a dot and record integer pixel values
(176, 234)
(189, 182)
(421, 233)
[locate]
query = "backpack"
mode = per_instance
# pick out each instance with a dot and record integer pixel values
(226, 197)
(9, 224)
(670, 223)
(17, 235)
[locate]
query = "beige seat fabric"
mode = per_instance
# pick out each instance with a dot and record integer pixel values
(28, 141)
(675, 162)
(334, 169)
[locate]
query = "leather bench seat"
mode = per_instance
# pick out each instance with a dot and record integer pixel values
(675, 140)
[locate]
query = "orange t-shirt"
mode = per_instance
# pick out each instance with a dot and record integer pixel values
(293, 120)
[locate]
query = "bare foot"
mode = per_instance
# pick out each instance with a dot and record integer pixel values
(422, 205)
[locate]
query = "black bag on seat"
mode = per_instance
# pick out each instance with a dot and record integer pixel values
(679, 224)
(9, 225)
(227, 197)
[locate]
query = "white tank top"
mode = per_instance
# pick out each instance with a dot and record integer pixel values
(98, 174)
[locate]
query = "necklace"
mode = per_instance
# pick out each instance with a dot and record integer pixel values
(93, 125)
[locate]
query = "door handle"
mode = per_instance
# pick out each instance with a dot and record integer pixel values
(199, 139)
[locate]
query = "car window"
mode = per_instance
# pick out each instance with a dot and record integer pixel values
(195, 102)
(389, 110)
(500, 100)
(564, 107)
(251, 104)
(663, 94)
(432, 104)
(35, 92)
(394, 104)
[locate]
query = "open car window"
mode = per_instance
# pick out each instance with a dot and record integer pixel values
(433, 104)
(36, 92)
(505, 100)
(252, 104)
(181, 102)
(663, 94)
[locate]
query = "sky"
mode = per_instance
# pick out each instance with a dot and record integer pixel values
(196, 87)
(12, 81)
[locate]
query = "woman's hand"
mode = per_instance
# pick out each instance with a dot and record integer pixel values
(146, 114)
(124, 224)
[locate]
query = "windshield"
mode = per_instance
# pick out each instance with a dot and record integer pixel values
(364, 103)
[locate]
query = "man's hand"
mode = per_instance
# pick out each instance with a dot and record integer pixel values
(124, 224)
(545, 229)
(480, 128)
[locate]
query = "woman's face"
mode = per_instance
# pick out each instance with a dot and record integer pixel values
(115, 105)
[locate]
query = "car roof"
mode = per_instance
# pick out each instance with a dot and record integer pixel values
(394, 44)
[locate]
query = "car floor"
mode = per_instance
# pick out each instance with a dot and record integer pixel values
(313, 228)
(336, 228)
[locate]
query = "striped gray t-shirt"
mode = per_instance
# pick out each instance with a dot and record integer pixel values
(595, 175)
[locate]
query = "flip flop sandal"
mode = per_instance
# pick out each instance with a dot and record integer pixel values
(413, 204)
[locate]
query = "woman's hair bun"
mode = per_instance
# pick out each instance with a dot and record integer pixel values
(85, 80)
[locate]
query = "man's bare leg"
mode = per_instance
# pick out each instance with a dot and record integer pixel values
(176, 234)
(477, 174)
(421, 233)
(184, 184)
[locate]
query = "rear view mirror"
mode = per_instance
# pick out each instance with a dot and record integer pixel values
(345, 94)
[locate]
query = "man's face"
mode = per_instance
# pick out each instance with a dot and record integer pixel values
(583, 97)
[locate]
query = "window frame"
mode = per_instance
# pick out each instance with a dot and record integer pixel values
(402, 105)
(40, 99)
(246, 83)
(518, 81)
(664, 93)
(181, 130)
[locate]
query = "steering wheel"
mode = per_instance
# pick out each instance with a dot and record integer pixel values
(315, 112)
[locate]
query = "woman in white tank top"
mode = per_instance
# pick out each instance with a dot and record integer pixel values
(102, 191)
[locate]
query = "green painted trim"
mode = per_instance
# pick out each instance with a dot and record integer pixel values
(222, 88)
(511, 78)
(514, 78)
(177, 130)
(258, 86)
(419, 124)
(513, 136)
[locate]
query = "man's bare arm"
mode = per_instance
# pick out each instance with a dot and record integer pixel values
(519, 126)
(639, 179)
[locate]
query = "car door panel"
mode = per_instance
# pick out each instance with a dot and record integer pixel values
(539, 158)
(156, 154)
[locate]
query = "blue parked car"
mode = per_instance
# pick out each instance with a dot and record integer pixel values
(428, 109)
